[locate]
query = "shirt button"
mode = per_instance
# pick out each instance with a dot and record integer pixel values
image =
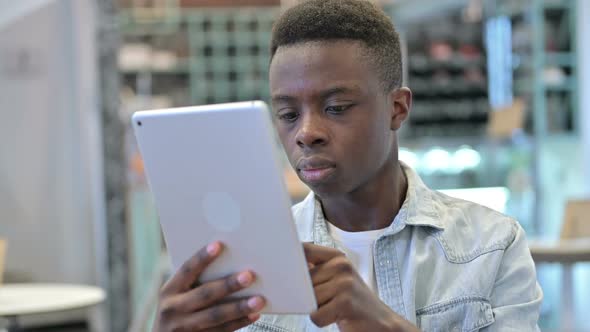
(456, 329)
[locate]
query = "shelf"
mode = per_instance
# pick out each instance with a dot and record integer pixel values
(423, 64)
(561, 59)
(558, 4)
(180, 70)
(147, 30)
(142, 25)
(527, 85)
(456, 88)
(513, 8)
(565, 59)
(450, 141)
(411, 11)
(566, 85)
(539, 73)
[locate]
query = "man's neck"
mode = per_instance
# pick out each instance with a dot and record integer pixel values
(373, 206)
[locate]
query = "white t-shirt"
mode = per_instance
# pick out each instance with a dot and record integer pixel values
(358, 247)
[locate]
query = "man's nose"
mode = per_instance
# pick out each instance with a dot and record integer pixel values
(312, 132)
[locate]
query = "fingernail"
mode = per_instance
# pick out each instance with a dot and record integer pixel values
(245, 278)
(253, 317)
(213, 248)
(255, 303)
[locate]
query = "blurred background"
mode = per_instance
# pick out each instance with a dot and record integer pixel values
(501, 116)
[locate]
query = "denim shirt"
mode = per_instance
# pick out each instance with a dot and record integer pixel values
(444, 264)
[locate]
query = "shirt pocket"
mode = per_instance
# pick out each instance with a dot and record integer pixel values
(464, 314)
(265, 327)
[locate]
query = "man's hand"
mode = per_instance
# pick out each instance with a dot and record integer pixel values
(344, 298)
(184, 307)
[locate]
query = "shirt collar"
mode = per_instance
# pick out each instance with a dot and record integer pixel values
(418, 210)
(420, 201)
(321, 235)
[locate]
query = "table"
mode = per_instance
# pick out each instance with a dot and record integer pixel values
(566, 252)
(18, 300)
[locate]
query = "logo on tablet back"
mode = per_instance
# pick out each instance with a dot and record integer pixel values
(221, 211)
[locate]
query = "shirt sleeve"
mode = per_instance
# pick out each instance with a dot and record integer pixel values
(516, 296)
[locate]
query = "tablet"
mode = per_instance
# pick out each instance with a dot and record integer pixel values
(215, 174)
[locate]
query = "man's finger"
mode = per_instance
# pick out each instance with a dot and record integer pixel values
(325, 292)
(235, 324)
(224, 313)
(326, 314)
(214, 291)
(338, 266)
(318, 254)
(192, 269)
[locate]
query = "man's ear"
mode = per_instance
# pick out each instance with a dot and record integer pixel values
(401, 101)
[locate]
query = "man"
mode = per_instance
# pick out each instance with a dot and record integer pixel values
(388, 253)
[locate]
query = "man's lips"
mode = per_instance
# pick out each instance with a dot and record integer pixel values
(316, 175)
(315, 169)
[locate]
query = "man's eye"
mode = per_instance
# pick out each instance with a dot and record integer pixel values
(337, 109)
(289, 116)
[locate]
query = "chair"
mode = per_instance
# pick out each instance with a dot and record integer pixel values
(576, 222)
(2, 255)
(573, 247)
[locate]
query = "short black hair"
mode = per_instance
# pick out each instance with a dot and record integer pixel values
(332, 20)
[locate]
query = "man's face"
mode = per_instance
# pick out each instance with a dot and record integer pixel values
(332, 115)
